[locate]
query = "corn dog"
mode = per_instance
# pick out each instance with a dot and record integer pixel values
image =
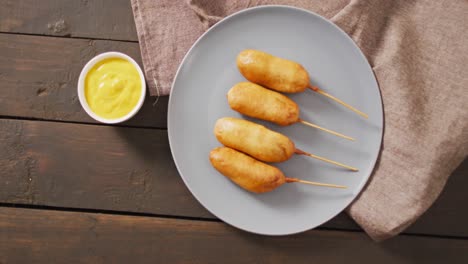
(273, 72)
(259, 141)
(251, 174)
(256, 101)
(279, 74)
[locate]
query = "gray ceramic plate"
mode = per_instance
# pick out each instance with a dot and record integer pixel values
(335, 64)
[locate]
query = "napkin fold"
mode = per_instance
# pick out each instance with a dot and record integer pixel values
(418, 51)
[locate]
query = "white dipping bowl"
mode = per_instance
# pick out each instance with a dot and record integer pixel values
(81, 87)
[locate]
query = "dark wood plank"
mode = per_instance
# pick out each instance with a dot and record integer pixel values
(131, 169)
(66, 237)
(103, 19)
(448, 215)
(96, 167)
(39, 76)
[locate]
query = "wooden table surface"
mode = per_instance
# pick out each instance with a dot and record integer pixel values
(73, 190)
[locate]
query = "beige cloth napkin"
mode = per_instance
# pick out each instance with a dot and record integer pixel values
(419, 53)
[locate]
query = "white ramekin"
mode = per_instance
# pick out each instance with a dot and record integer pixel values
(81, 87)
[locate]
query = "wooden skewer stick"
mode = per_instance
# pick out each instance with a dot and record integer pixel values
(326, 130)
(300, 152)
(289, 180)
(316, 89)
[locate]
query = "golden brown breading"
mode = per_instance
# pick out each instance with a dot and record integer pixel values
(254, 139)
(273, 72)
(247, 172)
(256, 101)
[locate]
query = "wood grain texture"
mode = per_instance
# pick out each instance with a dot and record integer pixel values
(448, 215)
(32, 236)
(131, 169)
(95, 167)
(103, 19)
(39, 77)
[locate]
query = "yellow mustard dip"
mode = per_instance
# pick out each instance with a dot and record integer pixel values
(112, 88)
